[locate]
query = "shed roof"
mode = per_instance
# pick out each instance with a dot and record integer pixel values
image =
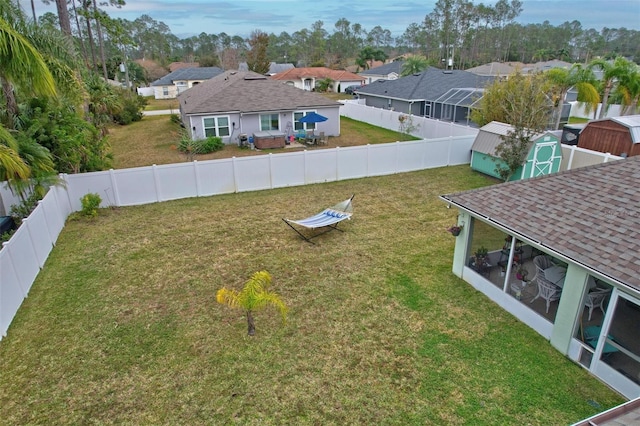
(632, 122)
(246, 91)
(587, 216)
(490, 136)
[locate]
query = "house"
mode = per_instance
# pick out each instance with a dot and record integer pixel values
(236, 104)
(274, 68)
(544, 156)
(434, 93)
(174, 66)
(615, 135)
(307, 78)
(584, 225)
(390, 71)
(172, 84)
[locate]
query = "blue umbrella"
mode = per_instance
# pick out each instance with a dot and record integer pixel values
(313, 117)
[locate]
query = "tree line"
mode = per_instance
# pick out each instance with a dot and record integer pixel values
(456, 33)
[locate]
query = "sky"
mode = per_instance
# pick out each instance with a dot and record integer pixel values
(240, 17)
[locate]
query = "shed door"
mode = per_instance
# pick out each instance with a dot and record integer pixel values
(544, 155)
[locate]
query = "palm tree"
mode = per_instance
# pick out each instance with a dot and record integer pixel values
(254, 295)
(414, 64)
(22, 67)
(612, 72)
(629, 90)
(11, 165)
(563, 79)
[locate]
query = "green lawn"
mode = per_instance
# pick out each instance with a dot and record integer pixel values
(122, 326)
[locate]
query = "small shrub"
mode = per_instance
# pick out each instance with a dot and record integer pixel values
(211, 144)
(90, 204)
(24, 209)
(175, 119)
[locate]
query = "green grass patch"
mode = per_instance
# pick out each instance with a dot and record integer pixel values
(122, 325)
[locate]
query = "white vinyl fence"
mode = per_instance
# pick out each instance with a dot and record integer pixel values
(26, 252)
(427, 128)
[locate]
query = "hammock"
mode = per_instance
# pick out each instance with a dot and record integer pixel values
(328, 218)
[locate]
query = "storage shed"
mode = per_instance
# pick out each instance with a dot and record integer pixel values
(615, 135)
(544, 156)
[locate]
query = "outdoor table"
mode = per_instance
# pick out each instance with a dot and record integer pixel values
(556, 275)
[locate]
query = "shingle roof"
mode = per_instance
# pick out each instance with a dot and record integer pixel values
(589, 215)
(318, 73)
(489, 137)
(195, 73)
(385, 69)
(428, 85)
(247, 92)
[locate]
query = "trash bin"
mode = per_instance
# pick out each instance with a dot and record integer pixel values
(243, 140)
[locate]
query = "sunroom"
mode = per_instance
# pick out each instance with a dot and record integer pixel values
(560, 252)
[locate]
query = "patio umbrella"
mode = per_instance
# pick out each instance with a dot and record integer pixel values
(313, 117)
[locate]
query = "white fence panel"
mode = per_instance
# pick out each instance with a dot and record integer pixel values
(410, 156)
(176, 181)
(215, 177)
(382, 159)
(321, 165)
(352, 162)
(11, 294)
(39, 234)
(288, 169)
(253, 173)
(8, 199)
(23, 257)
(56, 209)
(135, 186)
(82, 184)
(460, 150)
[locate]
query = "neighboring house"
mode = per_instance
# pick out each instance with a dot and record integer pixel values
(615, 135)
(586, 222)
(274, 68)
(307, 78)
(174, 66)
(238, 103)
(446, 95)
(505, 69)
(390, 71)
(544, 156)
(172, 84)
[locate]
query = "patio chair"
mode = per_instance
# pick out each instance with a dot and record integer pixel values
(322, 139)
(541, 263)
(547, 290)
(596, 299)
(328, 219)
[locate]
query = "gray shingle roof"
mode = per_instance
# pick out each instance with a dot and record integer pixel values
(590, 215)
(195, 73)
(385, 69)
(428, 85)
(489, 137)
(247, 92)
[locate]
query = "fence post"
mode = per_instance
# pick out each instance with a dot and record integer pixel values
(304, 159)
(606, 157)
(114, 187)
(570, 163)
(271, 170)
(235, 174)
(156, 182)
(196, 176)
(368, 159)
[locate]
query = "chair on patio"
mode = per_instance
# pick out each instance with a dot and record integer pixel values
(596, 299)
(541, 263)
(328, 218)
(322, 139)
(547, 290)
